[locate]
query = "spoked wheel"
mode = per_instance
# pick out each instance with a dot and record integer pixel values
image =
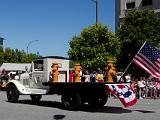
(98, 100)
(36, 98)
(71, 101)
(12, 93)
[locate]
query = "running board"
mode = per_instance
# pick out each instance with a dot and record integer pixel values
(34, 91)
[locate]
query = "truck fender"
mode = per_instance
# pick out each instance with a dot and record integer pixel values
(18, 85)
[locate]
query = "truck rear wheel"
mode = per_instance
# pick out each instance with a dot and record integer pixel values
(98, 100)
(71, 101)
(36, 98)
(12, 93)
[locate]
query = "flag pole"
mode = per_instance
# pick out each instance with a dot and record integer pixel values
(133, 58)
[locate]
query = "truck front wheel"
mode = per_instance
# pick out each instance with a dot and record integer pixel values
(12, 93)
(71, 101)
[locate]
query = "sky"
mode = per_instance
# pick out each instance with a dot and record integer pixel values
(47, 26)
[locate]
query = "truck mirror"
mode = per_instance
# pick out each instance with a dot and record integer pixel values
(26, 68)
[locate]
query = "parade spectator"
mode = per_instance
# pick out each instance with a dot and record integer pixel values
(134, 85)
(93, 76)
(157, 88)
(133, 82)
(99, 77)
(145, 93)
(141, 88)
(4, 75)
(128, 78)
(82, 77)
(158, 85)
(136, 89)
(87, 76)
(151, 87)
(3, 78)
(0, 76)
(71, 76)
(119, 76)
(105, 77)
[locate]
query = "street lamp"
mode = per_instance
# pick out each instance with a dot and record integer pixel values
(96, 2)
(30, 44)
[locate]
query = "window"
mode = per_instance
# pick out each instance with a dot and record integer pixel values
(1, 41)
(38, 65)
(130, 4)
(146, 2)
(158, 15)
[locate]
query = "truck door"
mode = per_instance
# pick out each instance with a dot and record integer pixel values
(38, 74)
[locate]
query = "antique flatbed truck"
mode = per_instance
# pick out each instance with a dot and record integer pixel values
(40, 80)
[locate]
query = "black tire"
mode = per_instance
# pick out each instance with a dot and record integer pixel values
(12, 93)
(98, 100)
(36, 98)
(71, 101)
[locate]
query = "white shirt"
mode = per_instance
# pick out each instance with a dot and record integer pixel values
(87, 78)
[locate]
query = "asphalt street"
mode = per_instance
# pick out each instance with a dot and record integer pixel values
(50, 108)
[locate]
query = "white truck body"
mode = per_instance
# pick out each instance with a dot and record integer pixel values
(31, 81)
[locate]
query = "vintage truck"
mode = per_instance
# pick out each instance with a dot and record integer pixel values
(38, 81)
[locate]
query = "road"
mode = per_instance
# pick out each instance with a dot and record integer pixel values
(50, 108)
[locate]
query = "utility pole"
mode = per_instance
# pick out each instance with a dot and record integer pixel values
(96, 2)
(96, 11)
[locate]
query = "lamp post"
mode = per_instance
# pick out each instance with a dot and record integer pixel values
(96, 2)
(30, 44)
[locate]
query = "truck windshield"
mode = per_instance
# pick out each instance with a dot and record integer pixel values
(38, 65)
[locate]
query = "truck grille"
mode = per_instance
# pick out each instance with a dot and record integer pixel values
(25, 82)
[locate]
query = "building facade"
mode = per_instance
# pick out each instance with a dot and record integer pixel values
(1, 42)
(123, 6)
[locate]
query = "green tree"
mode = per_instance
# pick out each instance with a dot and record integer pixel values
(94, 46)
(30, 57)
(138, 26)
(8, 55)
(16, 56)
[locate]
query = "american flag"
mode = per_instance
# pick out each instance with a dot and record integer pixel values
(148, 58)
(124, 92)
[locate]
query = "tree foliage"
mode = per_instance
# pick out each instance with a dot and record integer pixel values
(9, 55)
(138, 26)
(94, 46)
